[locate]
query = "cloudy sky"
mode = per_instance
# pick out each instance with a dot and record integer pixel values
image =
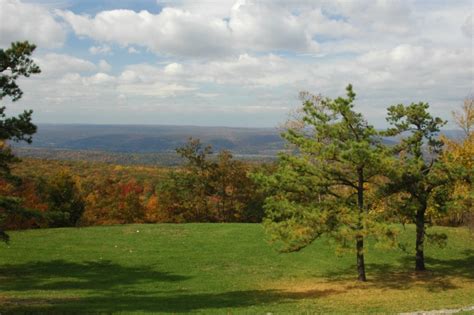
(237, 62)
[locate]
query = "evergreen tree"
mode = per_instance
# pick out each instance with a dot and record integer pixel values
(14, 63)
(322, 185)
(419, 177)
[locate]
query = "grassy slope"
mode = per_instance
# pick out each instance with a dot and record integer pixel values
(220, 268)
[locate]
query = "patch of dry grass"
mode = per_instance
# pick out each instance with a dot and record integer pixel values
(393, 292)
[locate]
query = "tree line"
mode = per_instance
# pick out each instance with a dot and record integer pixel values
(208, 188)
(337, 178)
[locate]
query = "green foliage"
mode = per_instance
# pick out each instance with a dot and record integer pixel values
(12, 206)
(64, 200)
(7, 158)
(14, 63)
(322, 188)
(16, 60)
(196, 155)
(183, 196)
(209, 190)
(419, 180)
(236, 198)
(423, 129)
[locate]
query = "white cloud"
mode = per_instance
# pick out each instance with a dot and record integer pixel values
(468, 27)
(157, 89)
(265, 27)
(132, 50)
(104, 66)
(128, 76)
(219, 9)
(248, 70)
(192, 30)
(144, 73)
(173, 68)
(207, 95)
(388, 17)
(244, 71)
(403, 73)
(171, 31)
(22, 21)
(99, 79)
(53, 65)
(102, 49)
(215, 29)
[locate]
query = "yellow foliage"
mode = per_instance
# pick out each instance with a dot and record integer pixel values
(460, 154)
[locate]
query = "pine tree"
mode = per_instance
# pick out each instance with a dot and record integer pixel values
(14, 63)
(322, 185)
(419, 177)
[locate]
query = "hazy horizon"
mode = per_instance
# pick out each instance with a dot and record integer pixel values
(445, 128)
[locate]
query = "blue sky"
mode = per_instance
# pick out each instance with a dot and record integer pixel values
(237, 62)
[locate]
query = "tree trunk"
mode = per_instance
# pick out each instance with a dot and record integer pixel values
(360, 259)
(420, 239)
(360, 238)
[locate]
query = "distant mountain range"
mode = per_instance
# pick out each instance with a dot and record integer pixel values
(152, 143)
(146, 139)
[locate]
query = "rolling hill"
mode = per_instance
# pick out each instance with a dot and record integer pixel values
(221, 269)
(149, 144)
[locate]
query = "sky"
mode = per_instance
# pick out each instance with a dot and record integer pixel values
(237, 62)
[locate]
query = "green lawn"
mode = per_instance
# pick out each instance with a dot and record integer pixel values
(220, 268)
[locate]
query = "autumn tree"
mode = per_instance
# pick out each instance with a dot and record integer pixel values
(65, 202)
(320, 186)
(15, 62)
(183, 195)
(418, 178)
(458, 156)
(235, 196)
(209, 188)
(464, 118)
(130, 208)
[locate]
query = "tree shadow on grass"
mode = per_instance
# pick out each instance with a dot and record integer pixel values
(167, 303)
(63, 275)
(439, 275)
(110, 287)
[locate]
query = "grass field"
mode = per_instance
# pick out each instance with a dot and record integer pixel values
(220, 268)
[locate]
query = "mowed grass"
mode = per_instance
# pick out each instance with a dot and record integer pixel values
(221, 268)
